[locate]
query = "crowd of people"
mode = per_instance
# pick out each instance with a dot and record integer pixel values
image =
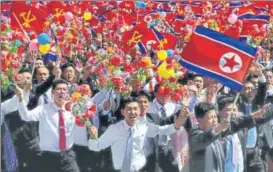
(145, 131)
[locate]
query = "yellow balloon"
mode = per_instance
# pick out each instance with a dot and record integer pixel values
(162, 55)
(87, 16)
(164, 72)
(44, 48)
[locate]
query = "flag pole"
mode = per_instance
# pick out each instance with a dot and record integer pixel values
(21, 27)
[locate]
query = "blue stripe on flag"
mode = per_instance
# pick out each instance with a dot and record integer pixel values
(142, 48)
(157, 34)
(226, 40)
(236, 4)
(200, 70)
(254, 17)
(180, 17)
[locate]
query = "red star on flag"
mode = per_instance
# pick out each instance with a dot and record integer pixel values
(230, 63)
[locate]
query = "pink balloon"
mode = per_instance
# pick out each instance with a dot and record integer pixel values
(232, 18)
(68, 16)
(33, 45)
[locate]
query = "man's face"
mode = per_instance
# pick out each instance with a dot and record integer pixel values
(26, 81)
(39, 63)
(249, 91)
(60, 93)
(198, 82)
(269, 77)
(162, 99)
(209, 120)
(42, 74)
(228, 111)
(131, 113)
(69, 74)
(143, 103)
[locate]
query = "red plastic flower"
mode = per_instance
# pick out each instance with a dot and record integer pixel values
(115, 61)
(79, 122)
(93, 108)
(176, 97)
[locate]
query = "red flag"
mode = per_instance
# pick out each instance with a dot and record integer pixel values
(31, 18)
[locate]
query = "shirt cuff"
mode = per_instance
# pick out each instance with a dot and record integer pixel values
(92, 145)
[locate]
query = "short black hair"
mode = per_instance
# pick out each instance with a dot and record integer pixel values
(251, 76)
(23, 70)
(142, 93)
(224, 101)
(202, 108)
(156, 88)
(66, 65)
(58, 81)
(127, 100)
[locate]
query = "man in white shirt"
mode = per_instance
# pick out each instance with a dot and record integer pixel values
(127, 137)
(160, 109)
(55, 129)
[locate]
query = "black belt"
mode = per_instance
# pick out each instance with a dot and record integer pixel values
(80, 147)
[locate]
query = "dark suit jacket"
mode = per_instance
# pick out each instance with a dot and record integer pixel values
(25, 134)
(256, 159)
(200, 144)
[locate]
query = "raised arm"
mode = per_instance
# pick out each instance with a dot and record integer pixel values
(199, 139)
(26, 115)
(12, 104)
(154, 130)
(105, 140)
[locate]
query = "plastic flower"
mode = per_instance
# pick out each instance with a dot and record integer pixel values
(76, 96)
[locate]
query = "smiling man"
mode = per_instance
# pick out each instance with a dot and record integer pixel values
(127, 137)
(55, 129)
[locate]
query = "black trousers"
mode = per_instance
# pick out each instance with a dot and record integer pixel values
(165, 159)
(87, 160)
(105, 161)
(59, 161)
(29, 161)
(150, 164)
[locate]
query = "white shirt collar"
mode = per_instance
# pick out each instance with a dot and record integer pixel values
(158, 105)
(56, 108)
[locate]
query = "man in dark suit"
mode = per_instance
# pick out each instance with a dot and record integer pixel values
(235, 144)
(259, 139)
(25, 134)
(206, 151)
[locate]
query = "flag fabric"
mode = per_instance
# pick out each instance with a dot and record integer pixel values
(251, 21)
(31, 18)
(218, 56)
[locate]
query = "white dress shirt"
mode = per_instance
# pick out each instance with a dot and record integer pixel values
(48, 117)
(115, 136)
(155, 110)
(11, 105)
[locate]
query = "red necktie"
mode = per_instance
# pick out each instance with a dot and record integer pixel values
(62, 139)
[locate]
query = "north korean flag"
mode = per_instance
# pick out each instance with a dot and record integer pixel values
(218, 56)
